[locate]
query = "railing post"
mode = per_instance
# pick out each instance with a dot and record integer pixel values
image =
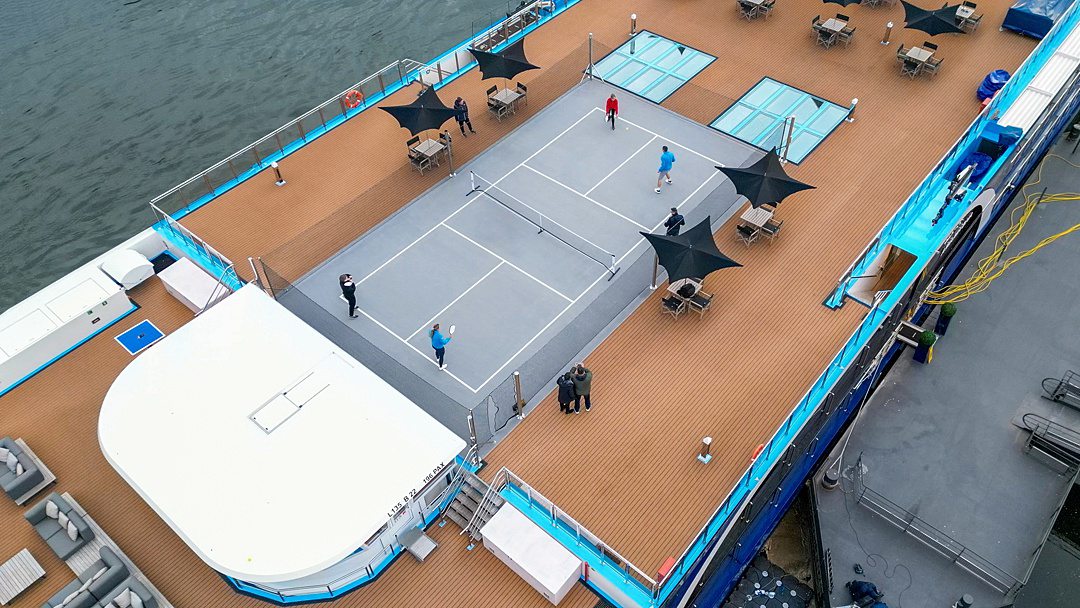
(277, 138)
(382, 85)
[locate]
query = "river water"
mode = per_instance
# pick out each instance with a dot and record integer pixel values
(105, 104)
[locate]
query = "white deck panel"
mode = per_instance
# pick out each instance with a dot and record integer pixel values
(256, 505)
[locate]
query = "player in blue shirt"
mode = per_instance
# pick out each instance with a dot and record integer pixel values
(439, 342)
(667, 160)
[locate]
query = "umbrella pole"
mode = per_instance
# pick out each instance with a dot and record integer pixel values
(655, 270)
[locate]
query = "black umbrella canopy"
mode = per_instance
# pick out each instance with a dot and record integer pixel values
(427, 112)
(843, 2)
(507, 63)
(690, 255)
(764, 182)
(940, 21)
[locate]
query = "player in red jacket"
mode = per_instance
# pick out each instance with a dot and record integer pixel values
(612, 109)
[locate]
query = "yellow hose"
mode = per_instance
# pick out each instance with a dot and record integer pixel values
(991, 267)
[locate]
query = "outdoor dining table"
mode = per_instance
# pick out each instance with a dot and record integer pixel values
(674, 288)
(429, 148)
(507, 97)
(833, 25)
(919, 54)
(758, 216)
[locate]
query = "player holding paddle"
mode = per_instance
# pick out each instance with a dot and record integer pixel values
(439, 342)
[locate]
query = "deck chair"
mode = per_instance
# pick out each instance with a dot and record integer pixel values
(746, 233)
(826, 38)
(968, 4)
(842, 17)
(971, 23)
(932, 66)
(492, 91)
(419, 161)
(700, 302)
(901, 53)
(767, 7)
(748, 11)
(929, 45)
(910, 68)
(846, 35)
(498, 110)
(524, 92)
(673, 306)
(771, 229)
(412, 142)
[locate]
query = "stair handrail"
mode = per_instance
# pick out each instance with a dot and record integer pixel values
(497, 483)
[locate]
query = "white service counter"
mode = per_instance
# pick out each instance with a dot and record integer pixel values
(192, 285)
(532, 553)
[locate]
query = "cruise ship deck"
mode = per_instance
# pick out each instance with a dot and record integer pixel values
(627, 470)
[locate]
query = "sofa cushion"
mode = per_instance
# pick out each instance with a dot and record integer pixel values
(72, 531)
(52, 510)
(62, 519)
(11, 461)
(136, 601)
(63, 546)
(4, 454)
(113, 579)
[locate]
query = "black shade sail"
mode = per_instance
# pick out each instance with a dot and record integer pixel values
(690, 255)
(764, 182)
(427, 112)
(940, 21)
(507, 63)
(843, 2)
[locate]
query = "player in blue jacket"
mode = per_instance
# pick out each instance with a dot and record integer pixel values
(667, 160)
(439, 342)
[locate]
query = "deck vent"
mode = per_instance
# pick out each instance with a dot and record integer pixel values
(281, 407)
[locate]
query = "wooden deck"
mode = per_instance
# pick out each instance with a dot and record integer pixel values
(626, 470)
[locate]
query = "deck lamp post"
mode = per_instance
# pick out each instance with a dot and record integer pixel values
(277, 174)
(633, 23)
(888, 32)
(703, 455)
(851, 112)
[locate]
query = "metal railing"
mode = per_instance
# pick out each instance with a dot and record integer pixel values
(185, 196)
(253, 158)
(220, 267)
(910, 524)
(928, 189)
(560, 519)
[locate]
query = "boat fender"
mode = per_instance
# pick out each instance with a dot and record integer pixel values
(352, 99)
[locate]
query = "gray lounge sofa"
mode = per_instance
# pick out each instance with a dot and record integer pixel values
(66, 540)
(102, 585)
(19, 473)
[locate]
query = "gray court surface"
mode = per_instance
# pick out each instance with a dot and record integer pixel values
(520, 299)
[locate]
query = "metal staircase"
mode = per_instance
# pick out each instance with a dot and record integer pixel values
(474, 505)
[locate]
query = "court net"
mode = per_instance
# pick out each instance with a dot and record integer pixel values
(543, 223)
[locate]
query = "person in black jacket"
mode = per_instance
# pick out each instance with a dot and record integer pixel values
(462, 117)
(566, 392)
(674, 223)
(348, 290)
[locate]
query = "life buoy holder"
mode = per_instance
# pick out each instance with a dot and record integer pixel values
(352, 99)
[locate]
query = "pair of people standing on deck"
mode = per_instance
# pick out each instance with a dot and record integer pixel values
(574, 386)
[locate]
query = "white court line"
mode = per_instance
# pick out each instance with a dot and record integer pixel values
(643, 146)
(429, 359)
(711, 160)
(507, 262)
(595, 202)
(454, 301)
(571, 302)
(471, 199)
(588, 289)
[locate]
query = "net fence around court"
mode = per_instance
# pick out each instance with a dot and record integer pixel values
(543, 223)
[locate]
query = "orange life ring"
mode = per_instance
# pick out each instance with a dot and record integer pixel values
(352, 99)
